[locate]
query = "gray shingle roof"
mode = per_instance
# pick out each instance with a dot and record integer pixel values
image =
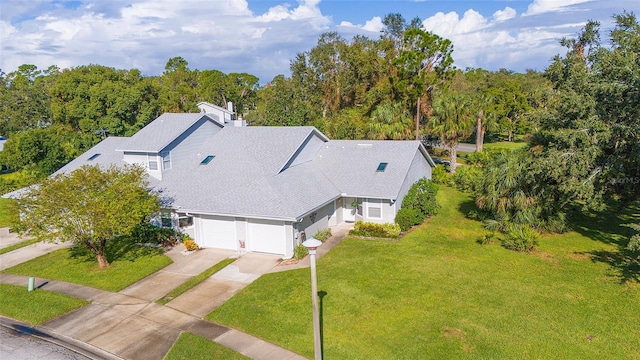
(161, 132)
(351, 165)
(108, 155)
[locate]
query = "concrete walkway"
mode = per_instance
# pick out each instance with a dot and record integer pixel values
(129, 325)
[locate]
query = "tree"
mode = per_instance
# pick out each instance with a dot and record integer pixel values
(390, 122)
(452, 120)
(89, 207)
(425, 57)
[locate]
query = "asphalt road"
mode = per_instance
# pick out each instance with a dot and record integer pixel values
(17, 345)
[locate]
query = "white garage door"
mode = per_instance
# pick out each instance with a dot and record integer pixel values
(218, 232)
(267, 236)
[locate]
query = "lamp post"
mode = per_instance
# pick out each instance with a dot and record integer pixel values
(312, 244)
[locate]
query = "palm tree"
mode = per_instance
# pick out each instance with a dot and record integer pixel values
(390, 121)
(452, 120)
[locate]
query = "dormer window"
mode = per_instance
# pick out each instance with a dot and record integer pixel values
(207, 160)
(382, 166)
(92, 157)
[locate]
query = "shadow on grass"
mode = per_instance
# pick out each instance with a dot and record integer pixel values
(607, 227)
(122, 248)
(467, 206)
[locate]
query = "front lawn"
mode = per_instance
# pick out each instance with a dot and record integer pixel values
(438, 294)
(129, 264)
(37, 306)
(194, 347)
(8, 212)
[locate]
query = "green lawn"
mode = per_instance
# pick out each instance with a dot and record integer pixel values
(438, 294)
(8, 212)
(129, 263)
(504, 145)
(35, 307)
(194, 347)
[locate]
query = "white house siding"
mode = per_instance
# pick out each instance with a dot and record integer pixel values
(387, 212)
(143, 159)
(316, 221)
(419, 168)
(184, 148)
(216, 232)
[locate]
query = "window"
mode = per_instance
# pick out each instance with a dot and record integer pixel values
(153, 165)
(166, 219)
(93, 156)
(374, 210)
(185, 221)
(207, 160)
(382, 166)
(166, 160)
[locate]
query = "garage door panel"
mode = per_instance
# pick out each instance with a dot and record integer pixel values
(218, 232)
(267, 236)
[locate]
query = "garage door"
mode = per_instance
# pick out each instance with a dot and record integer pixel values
(267, 236)
(218, 232)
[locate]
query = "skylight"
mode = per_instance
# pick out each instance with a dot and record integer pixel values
(382, 166)
(207, 160)
(94, 156)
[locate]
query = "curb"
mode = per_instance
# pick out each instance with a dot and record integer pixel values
(84, 349)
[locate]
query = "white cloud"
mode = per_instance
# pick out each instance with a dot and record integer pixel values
(544, 6)
(506, 14)
(375, 24)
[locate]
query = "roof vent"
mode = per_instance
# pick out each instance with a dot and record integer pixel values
(365, 145)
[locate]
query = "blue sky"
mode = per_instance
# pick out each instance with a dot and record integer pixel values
(261, 37)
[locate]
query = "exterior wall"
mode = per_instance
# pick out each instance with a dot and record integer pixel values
(314, 222)
(186, 145)
(348, 212)
(419, 168)
(143, 158)
(387, 210)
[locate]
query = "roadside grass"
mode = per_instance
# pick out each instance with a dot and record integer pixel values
(129, 264)
(37, 306)
(19, 245)
(194, 281)
(8, 212)
(193, 347)
(438, 294)
(505, 145)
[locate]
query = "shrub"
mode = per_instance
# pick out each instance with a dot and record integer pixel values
(486, 239)
(190, 245)
(300, 252)
(521, 237)
(150, 234)
(406, 218)
(385, 230)
(323, 234)
(422, 197)
(440, 175)
(467, 178)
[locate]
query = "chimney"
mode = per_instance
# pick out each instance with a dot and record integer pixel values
(230, 106)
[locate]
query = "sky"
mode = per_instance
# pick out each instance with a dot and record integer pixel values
(261, 37)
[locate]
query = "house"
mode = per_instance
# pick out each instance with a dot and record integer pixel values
(262, 189)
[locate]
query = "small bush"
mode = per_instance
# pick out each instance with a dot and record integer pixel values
(440, 175)
(150, 234)
(486, 239)
(467, 178)
(300, 252)
(370, 229)
(521, 237)
(323, 234)
(407, 218)
(190, 245)
(422, 197)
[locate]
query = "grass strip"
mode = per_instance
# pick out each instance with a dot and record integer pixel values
(8, 212)
(194, 281)
(194, 347)
(37, 306)
(19, 245)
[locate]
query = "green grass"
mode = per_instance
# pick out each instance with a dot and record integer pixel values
(8, 212)
(19, 245)
(438, 294)
(129, 264)
(505, 145)
(194, 347)
(35, 307)
(194, 281)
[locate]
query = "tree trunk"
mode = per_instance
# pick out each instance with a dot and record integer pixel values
(479, 131)
(418, 119)
(453, 157)
(102, 261)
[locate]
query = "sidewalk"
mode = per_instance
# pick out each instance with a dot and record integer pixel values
(129, 325)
